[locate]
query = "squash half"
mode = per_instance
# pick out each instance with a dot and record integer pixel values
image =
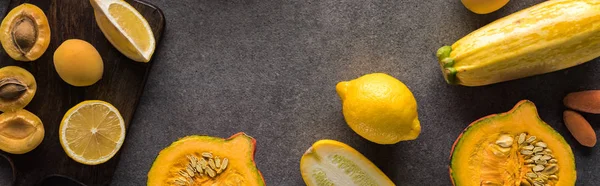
(171, 165)
(472, 164)
(547, 37)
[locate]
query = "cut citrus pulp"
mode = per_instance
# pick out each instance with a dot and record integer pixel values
(92, 132)
(125, 28)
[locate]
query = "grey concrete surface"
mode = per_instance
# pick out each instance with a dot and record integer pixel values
(269, 68)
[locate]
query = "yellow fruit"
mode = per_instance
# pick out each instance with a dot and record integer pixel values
(329, 162)
(484, 6)
(92, 132)
(20, 131)
(78, 63)
(380, 108)
(25, 33)
(125, 28)
(17, 88)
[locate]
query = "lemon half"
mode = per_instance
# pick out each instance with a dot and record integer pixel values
(92, 132)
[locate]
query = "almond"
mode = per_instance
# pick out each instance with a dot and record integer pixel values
(584, 101)
(580, 128)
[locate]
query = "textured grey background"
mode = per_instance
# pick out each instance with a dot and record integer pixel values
(269, 68)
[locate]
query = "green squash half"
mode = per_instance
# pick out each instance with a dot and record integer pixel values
(475, 160)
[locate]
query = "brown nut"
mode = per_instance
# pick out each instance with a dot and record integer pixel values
(580, 128)
(584, 101)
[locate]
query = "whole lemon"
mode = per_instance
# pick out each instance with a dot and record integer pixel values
(484, 6)
(78, 63)
(380, 108)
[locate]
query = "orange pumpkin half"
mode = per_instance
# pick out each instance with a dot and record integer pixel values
(512, 148)
(206, 160)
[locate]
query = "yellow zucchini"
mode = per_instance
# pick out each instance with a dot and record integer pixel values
(547, 37)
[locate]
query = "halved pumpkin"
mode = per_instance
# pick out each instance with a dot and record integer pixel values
(512, 148)
(206, 160)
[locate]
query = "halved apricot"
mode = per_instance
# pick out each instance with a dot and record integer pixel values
(25, 33)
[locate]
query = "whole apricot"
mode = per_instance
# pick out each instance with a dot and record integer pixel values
(78, 63)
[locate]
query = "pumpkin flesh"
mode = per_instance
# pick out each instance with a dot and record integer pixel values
(238, 149)
(471, 160)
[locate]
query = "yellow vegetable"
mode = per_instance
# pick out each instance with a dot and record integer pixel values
(380, 108)
(482, 155)
(329, 162)
(550, 36)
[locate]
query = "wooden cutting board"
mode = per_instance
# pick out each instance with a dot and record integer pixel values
(122, 85)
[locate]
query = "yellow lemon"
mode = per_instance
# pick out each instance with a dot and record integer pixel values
(380, 108)
(125, 28)
(484, 6)
(92, 132)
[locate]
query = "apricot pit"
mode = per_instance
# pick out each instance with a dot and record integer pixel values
(25, 33)
(17, 88)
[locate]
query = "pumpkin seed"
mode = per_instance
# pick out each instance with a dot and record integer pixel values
(526, 152)
(538, 168)
(536, 157)
(541, 162)
(548, 151)
(211, 163)
(199, 169)
(505, 141)
(180, 182)
(538, 149)
(530, 139)
(545, 157)
(541, 144)
(184, 174)
(521, 138)
(531, 175)
(210, 172)
(190, 171)
(203, 163)
(193, 163)
(551, 169)
(528, 147)
(207, 155)
(530, 165)
(529, 161)
(553, 161)
(542, 176)
(553, 177)
(217, 162)
(525, 183)
(224, 163)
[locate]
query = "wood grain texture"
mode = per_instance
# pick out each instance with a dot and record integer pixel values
(122, 85)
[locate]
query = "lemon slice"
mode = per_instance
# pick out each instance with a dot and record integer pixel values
(92, 132)
(125, 28)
